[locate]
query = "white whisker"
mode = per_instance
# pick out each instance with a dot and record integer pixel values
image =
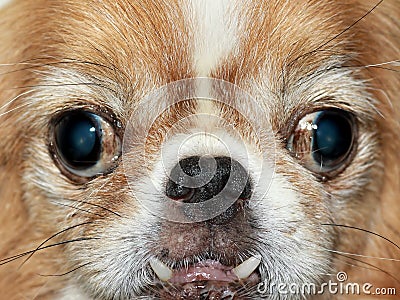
(15, 108)
(363, 256)
(15, 98)
(395, 63)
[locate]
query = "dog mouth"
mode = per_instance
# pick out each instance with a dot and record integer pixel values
(207, 279)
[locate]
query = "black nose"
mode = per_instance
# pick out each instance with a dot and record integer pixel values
(197, 179)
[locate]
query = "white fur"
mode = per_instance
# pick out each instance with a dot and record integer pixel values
(72, 293)
(215, 31)
(4, 3)
(326, 85)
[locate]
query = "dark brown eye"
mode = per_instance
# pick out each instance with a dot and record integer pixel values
(323, 141)
(85, 144)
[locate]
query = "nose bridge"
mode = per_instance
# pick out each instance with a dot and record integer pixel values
(198, 179)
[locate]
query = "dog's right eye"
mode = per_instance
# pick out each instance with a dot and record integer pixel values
(84, 144)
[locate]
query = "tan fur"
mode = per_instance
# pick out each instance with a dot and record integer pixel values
(141, 45)
(383, 217)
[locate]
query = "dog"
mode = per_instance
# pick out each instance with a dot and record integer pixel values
(199, 149)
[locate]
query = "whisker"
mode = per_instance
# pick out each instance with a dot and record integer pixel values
(352, 262)
(386, 69)
(363, 256)
(339, 34)
(99, 85)
(371, 265)
(381, 66)
(77, 208)
(93, 204)
(363, 230)
(15, 108)
(51, 237)
(391, 227)
(15, 98)
(66, 273)
(15, 257)
(392, 62)
(93, 193)
(57, 85)
(354, 24)
(33, 65)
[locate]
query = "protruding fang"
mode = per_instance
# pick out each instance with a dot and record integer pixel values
(163, 272)
(247, 267)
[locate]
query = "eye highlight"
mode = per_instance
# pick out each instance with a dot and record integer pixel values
(84, 144)
(323, 141)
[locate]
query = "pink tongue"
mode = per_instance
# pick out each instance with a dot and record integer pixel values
(204, 271)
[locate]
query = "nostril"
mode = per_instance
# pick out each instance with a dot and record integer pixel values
(246, 194)
(182, 181)
(178, 192)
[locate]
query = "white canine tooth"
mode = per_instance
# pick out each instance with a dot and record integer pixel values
(247, 267)
(161, 270)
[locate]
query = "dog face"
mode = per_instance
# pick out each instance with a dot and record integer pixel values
(181, 150)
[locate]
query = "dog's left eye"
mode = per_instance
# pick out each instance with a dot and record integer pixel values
(323, 141)
(84, 144)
